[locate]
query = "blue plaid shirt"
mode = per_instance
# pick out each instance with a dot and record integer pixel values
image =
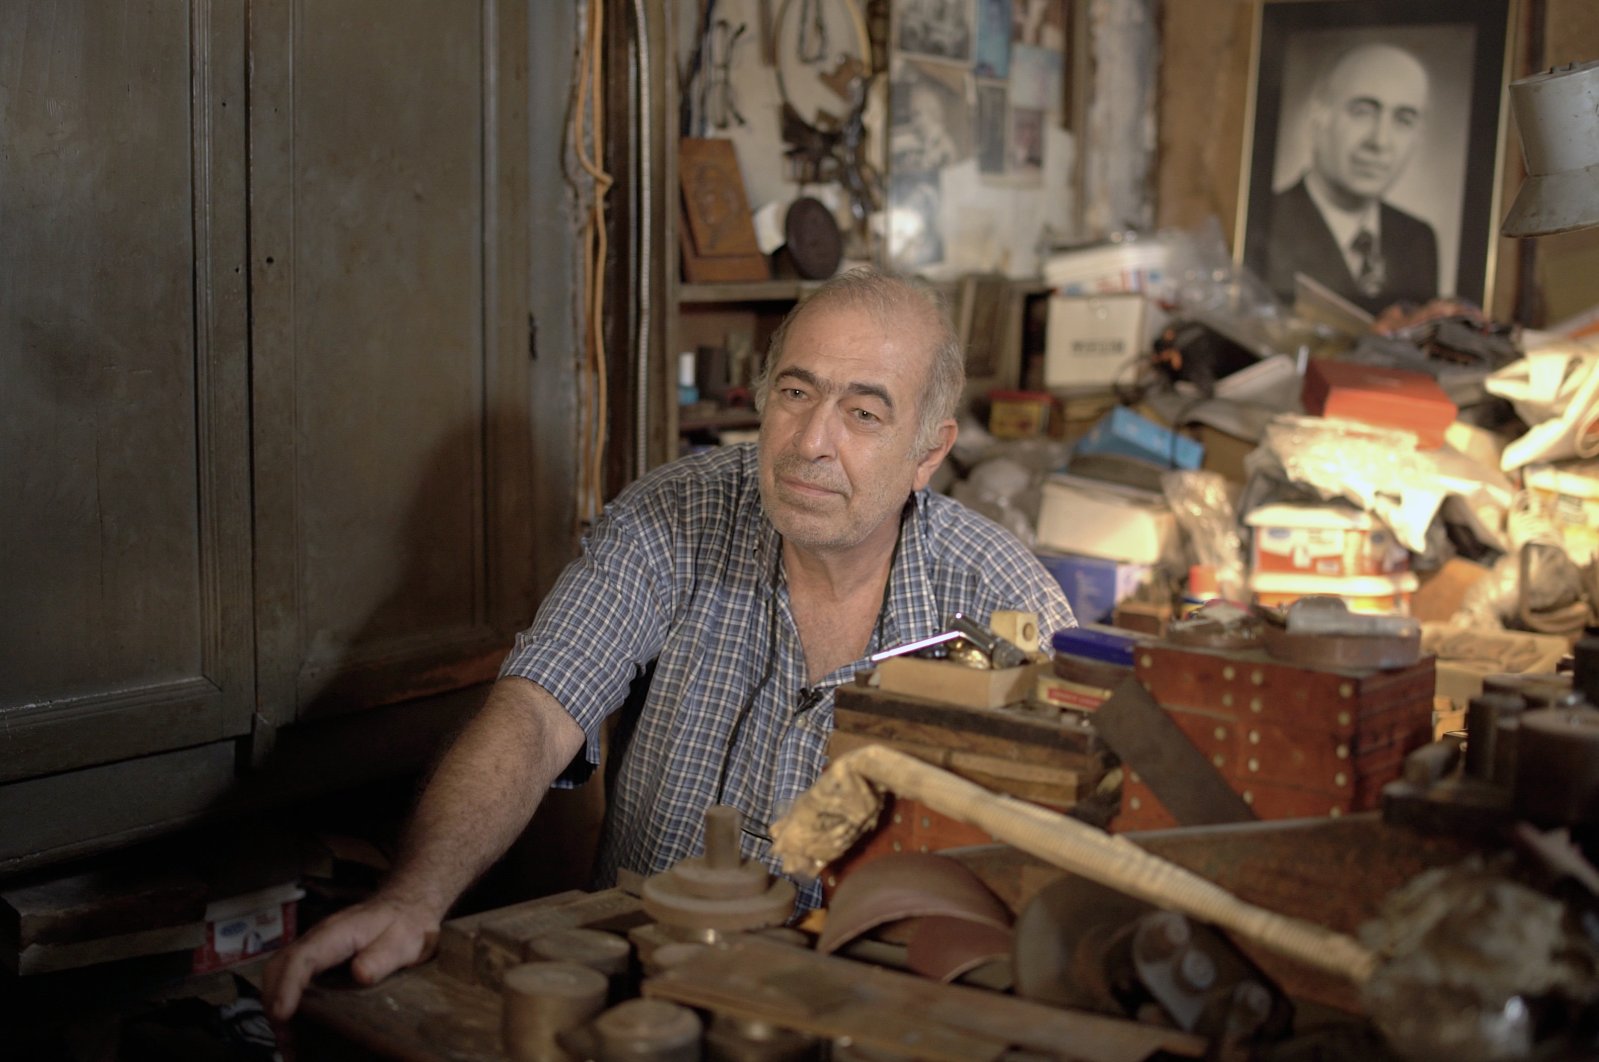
(684, 570)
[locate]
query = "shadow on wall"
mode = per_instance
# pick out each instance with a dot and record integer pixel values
(404, 681)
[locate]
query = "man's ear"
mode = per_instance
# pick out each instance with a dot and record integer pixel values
(933, 458)
(1316, 118)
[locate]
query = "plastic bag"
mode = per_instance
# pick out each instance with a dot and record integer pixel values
(1556, 390)
(1204, 510)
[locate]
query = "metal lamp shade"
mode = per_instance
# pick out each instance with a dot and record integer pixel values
(1557, 114)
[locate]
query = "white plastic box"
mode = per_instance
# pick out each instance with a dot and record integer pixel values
(1091, 341)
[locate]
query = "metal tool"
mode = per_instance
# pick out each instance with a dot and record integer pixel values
(964, 640)
(1149, 741)
(1320, 631)
(919, 645)
(1085, 945)
(1000, 652)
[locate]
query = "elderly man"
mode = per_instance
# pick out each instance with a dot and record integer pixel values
(744, 586)
(1333, 225)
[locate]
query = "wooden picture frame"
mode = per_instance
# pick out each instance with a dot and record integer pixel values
(987, 320)
(1333, 85)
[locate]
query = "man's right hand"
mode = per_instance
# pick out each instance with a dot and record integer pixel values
(378, 937)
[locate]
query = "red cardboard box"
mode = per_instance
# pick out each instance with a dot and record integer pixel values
(1328, 540)
(1388, 398)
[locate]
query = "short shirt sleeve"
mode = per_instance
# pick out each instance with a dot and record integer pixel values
(603, 622)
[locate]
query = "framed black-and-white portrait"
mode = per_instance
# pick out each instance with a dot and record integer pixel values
(1373, 148)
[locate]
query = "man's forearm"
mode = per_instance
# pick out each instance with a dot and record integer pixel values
(483, 793)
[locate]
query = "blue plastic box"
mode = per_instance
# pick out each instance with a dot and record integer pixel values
(1123, 431)
(1094, 585)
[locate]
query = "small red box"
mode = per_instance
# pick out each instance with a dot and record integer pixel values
(1388, 398)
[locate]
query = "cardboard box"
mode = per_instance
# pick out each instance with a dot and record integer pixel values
(1225, 452)
(1107, 267)
(1442, 592)
(1373, 394)
(1091, 341)
(1567, 495)
(1322, 540)
(951, 683)
(1098, 519)
(1375, 595)
(1019, 414)
(242, 927)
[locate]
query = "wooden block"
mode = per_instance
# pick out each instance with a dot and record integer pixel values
(897, 1013)
(502, 942)
(718, 234)
(458, 936)
(1039, 783)
(941, 680)
(1017, 627)
(100, 916)
(51, 958)
(719, 269)
(1052, 744)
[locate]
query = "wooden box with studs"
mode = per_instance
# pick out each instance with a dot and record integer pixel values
(1294, 741)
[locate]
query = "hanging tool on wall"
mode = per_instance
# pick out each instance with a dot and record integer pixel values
(691, 105)
(812, 32)
(823, 148)
(721, 110)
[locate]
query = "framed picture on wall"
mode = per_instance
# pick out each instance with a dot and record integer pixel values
(1373, 147)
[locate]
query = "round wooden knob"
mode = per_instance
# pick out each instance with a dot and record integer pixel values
(540, 1000)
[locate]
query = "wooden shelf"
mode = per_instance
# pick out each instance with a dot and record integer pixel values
(753, 291)
(719, 419)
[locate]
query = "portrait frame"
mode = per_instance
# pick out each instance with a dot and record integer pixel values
(987, 324)
(1450, 180)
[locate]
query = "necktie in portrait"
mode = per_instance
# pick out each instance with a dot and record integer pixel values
(1370, 274)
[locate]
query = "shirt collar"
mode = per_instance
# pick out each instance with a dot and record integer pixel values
(1345, 225)
(910, 609)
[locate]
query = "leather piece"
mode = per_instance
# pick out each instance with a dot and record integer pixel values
(944, 948)
(904, 885)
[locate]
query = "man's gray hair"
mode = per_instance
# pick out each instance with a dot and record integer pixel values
(892, 300)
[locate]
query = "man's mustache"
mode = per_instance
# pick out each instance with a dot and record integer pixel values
(792, 467)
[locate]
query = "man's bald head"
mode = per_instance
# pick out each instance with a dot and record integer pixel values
(1366, 115)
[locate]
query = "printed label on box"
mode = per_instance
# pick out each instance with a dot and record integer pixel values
(1089, 340)
(247, 926)
(239, 938)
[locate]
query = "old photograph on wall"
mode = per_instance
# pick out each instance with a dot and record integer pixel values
(993, 39)
(937, 29)
(930, 129)
(1374, 148)
(992, 112)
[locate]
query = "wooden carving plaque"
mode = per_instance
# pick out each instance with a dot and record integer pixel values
(718, 235)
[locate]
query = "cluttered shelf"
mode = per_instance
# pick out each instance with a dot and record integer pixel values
(703, 417)
(750, 291)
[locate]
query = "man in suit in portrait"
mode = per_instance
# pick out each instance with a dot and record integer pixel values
(1364, 118)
